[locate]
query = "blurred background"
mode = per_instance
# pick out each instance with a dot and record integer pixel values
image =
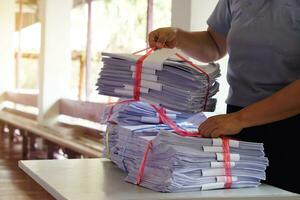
(113, 30)
(50, 58)
(95, 26)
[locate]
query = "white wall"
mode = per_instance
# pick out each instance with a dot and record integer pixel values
(7, 28)
(55, 57)
(191, 15)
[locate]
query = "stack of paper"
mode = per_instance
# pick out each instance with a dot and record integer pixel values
(174, 163)
(124, 121)
(117, 135)
(177, 164)
(121, 136)
(139, 113)
(170, 83)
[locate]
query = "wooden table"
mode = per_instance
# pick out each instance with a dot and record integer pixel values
(89, 179)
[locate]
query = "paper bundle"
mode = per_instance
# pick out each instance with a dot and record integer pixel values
(176, 163)
(140, 113)
(170, 83)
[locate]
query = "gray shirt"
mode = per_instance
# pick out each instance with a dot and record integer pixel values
(263, 38)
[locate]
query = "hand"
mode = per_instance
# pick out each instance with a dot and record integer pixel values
(164, 38)
(219, 125)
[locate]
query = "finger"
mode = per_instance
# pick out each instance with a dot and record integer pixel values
(171, 40)
(206, 127)
(207, 123)
(216, 133)
(207, 132)
(161, 40)
(152, 39)
(163, 37)
(202, 126)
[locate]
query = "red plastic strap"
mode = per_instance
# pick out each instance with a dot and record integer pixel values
(166, 120)
(143, 163)
(120, 102)
(138, 75)
(227, 166)
(202, 71)
(226, 154)
(163, 110)
(137, 79)
(146, 49)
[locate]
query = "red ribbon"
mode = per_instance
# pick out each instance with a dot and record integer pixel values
(120, 102)
(138, 75)
(137, 80)
(143, 163)
(226, 154)
(166, 120)
(139, 51)
(227, 165)
(163, 110)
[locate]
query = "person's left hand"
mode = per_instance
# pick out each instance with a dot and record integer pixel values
(219, 125)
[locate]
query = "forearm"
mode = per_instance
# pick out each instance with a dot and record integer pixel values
(283, 104)
(198, 45)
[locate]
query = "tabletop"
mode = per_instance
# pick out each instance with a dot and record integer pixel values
(91, 179)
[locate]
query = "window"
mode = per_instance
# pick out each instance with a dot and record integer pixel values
(27, 47)
(113, 30)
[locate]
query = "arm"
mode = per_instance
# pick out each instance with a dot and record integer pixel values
(281, 105)
(206, 46)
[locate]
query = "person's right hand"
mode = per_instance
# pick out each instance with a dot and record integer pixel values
(164, 38)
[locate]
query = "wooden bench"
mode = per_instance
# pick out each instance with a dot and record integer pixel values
(81, 140)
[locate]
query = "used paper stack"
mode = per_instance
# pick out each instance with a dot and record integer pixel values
(177, 164)
(121, 136)
(170, 83)
(139, 118)
(140, 113)
(148, 150)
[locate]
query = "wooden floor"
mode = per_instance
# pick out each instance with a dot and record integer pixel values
(14, 183)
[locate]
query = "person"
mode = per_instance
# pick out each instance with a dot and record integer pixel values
(262, 39)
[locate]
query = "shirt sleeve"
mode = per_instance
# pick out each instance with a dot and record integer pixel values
(220, 19)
